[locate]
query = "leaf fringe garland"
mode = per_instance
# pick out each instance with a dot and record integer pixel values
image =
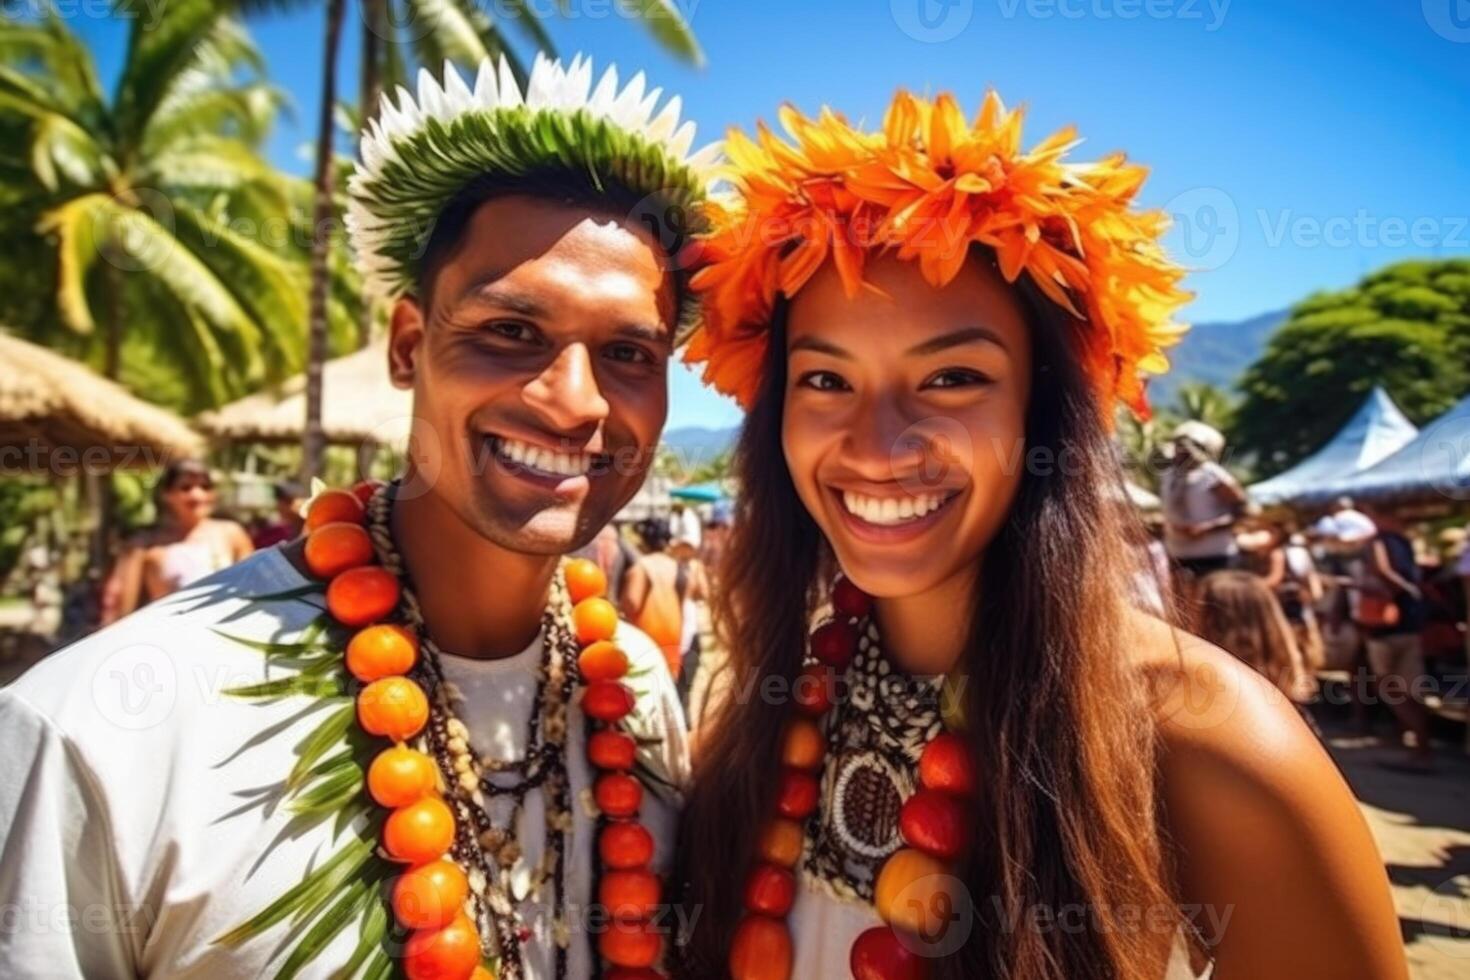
(326, 781)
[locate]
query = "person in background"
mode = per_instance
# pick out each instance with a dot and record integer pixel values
(716, 534)
(1201, 504)
(684, 524)
(1288, 570)
(694, 589)
(1240, 614)
(653, 593)
(1390, 612)
(287, 522)
(185, 544)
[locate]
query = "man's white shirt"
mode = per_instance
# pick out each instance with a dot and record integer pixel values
(140, 805)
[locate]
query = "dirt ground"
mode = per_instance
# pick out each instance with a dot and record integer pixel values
(1422, 825)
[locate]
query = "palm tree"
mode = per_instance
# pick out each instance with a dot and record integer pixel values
(398, 34)
(158, 237)
(1204, 402)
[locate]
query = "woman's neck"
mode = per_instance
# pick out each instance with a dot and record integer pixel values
(925, 634)
(478, 599)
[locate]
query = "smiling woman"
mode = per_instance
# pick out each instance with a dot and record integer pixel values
(990, 762)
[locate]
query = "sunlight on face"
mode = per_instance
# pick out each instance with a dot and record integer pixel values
(539, 372)
(904, 425)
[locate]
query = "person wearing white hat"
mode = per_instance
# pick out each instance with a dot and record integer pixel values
(1201, 502)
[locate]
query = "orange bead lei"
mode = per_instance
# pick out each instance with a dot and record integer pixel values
(914, 889)
(440, 864)
(927, 187)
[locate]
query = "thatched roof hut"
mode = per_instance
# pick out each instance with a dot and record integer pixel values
(359, 405)
(58, 416)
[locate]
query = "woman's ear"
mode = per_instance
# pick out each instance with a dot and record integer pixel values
(405, 334)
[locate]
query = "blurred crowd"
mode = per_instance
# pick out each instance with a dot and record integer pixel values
(1359, 591)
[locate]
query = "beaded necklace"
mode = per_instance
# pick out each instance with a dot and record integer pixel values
(443, 861)
(873, 833)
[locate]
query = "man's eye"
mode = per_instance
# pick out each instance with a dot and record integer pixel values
(822, 381)
(512, 330)
(630, 354)
(956, 378)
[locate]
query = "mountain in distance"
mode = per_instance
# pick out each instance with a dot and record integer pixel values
(694, 442)
(1217, 352)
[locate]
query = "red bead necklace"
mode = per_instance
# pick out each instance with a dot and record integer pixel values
(913, 893)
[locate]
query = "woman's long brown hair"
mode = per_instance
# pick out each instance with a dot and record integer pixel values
(1057, 719)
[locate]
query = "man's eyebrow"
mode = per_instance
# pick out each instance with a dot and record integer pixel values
(645, 332)
(817, 344)
(955, 338)
(489, 291)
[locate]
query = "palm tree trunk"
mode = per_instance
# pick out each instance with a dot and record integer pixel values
(375, 31)
(313, 442)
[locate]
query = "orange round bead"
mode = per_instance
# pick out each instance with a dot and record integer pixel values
(803, 745)
(419, 832)
(585, 579)
(603, 661)
(331, 506)
(630, 944)
(781, 842)
(916, 892)
(618, 795)
(333, 548)
(394, 707)
(430, 896)
(624, 845)
(399, 775)
(630, 894)
(362, 595)
(451, 953)
(761, 949)
(383, 650)
(594, 619)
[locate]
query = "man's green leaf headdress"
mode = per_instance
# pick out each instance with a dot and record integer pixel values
(419, 154)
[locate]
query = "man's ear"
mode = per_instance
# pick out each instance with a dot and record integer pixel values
(405, 335)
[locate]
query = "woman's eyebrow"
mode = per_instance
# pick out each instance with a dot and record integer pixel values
(955, 338)
(820, 346)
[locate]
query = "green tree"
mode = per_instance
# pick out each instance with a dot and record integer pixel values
(159, 244)
(1406, 327)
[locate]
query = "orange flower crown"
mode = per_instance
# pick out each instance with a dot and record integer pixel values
(927, 187)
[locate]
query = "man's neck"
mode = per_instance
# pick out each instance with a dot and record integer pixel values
(478, 599)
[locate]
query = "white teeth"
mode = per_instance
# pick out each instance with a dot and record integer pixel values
(891, 510)
(544, 460)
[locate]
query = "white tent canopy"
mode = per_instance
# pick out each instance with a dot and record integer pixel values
(1376, 431)
(1436, 463)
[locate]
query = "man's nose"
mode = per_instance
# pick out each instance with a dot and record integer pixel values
(566, 395)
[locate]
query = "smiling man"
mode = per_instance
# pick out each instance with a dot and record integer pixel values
(174, 801)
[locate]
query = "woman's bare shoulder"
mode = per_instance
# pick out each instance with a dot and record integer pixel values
(1262, 823)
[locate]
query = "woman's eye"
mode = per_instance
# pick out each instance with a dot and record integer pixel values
(822, 381)
(956, 378)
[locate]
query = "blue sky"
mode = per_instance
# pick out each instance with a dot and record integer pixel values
(1299, 144)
